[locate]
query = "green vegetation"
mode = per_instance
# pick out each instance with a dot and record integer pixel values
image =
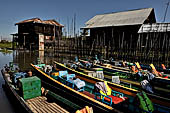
(5, 51)
(5, 45)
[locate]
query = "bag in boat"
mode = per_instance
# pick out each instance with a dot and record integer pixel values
(100, 86)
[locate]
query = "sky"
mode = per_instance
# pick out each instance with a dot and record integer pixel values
(13, 11)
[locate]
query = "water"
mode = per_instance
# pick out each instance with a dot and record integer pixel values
(5, 105)
(23, 59)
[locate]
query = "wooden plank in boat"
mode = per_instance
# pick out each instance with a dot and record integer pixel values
(40, 105)
(40, 98)
(53, 108)
(60, 109)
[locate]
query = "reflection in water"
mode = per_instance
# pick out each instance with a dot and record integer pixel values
(24, 58)
(41, 56)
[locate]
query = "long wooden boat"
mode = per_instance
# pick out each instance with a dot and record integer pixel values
(158, 81)
(79, 98)
(144, 67)
(160, 69)
(159, 102)
(37, 104)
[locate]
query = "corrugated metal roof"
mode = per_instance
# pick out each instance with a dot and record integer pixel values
(133, 17)
(37, 20)
(155, 27)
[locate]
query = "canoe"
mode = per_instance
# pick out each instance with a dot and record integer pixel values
(160, 69)
(35, 104)
(159, 102)
(72, 95)
(127, 76)
(166, 72)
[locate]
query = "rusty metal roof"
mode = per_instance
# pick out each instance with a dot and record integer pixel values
(155, 27)
(132, 17)
(37, 20)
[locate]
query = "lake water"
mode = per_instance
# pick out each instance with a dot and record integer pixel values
(23, 59)
(5, 105)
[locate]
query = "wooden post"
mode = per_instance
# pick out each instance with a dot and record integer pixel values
(24, 42)
(54, 38)
(13, 41)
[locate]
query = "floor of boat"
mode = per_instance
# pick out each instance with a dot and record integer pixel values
(41, 105)
(90, 94)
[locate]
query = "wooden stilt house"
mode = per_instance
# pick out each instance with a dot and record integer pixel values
(37, 33)
(117, 32)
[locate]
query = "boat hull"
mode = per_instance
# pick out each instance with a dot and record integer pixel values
(70, 94)
(19, 105)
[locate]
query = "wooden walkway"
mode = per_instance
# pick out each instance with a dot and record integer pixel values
(41, 105)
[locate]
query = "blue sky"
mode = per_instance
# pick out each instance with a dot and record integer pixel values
(13, 11)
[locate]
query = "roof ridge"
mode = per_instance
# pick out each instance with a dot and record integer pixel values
(125, 11)
(38, 20)
(130, 17)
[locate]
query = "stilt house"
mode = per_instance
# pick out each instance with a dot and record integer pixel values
(117, 31)
(37, 33)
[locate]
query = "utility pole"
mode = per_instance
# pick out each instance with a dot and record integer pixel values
(74, 25)
(166, 11)
(68, 27)
(1, 38)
